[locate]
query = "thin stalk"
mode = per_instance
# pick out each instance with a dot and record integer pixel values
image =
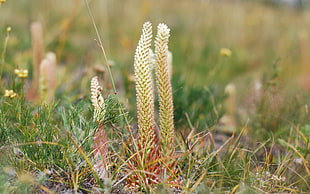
(101, 46)
(105, 59)
(121, 109)
(6, 40)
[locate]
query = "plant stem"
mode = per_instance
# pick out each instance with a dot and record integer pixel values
(4, 52)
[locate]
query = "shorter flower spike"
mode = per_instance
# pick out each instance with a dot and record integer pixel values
(100, 138)
(97, 99)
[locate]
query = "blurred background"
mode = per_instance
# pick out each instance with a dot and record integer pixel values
(260, 49)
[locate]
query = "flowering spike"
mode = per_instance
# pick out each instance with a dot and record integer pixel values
(47, 81)
(37, 52)
(100, 138)
(144, 89)
(164, 89)
(147, 147)
(97, 99)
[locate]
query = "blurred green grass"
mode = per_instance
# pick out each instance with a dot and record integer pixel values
(256, 33)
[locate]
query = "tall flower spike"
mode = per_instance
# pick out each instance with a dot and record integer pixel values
(145, 169)
(164, 89)
(144, 89)
(97, 99)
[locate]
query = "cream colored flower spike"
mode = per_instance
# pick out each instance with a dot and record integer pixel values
(164, 88)
(97, 99)
(144, 86)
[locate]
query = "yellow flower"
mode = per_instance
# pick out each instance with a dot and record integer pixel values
(2, 1)
(9, 93)
(225, 52)
(8, 29)
(22, 73)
